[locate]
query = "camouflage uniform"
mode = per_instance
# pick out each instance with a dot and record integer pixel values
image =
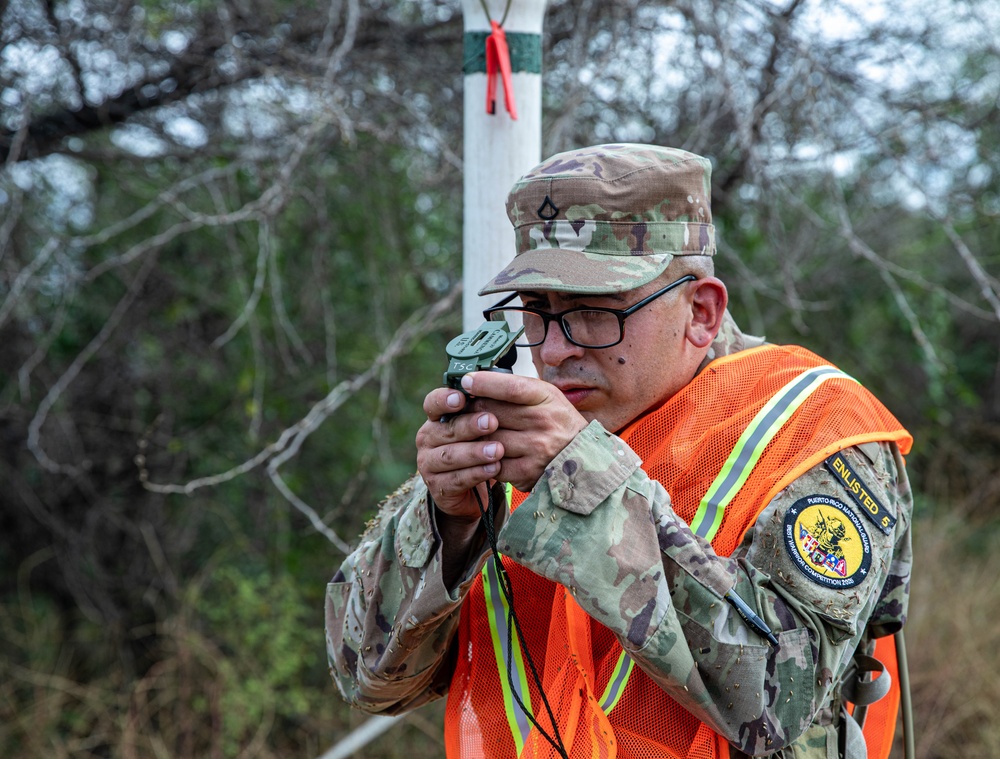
(391, 621)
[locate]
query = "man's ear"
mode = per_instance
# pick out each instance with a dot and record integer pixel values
(708, 298)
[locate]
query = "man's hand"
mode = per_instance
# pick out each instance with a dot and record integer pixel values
(453, 457)
(535, 422)
(514, 428)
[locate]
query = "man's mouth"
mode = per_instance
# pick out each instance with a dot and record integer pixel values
(575, 394)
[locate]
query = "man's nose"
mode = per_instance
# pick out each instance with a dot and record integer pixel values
(556, 348)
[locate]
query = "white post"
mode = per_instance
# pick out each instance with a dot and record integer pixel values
(361, 736)
(498, 149)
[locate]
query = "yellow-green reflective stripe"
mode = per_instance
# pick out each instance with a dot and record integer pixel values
(497, 609)
(751, 445)
(616, 685)
(496, 604)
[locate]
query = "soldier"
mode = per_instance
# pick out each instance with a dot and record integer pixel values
(667, 473)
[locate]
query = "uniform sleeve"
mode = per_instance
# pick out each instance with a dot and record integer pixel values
(390, 620)
(599, 526)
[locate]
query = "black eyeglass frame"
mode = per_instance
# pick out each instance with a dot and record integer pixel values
(621, 314)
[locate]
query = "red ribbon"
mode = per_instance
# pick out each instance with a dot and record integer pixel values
(498, 56)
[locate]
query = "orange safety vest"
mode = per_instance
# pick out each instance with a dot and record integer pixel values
(723, 447)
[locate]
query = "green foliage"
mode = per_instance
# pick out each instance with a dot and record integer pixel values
(269, 664)
(45, 710)
(238, 670)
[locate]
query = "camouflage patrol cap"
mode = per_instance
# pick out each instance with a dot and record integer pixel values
(607, 219)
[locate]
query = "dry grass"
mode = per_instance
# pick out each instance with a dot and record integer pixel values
(953, 639)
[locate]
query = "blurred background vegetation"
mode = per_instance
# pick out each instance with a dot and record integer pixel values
(229, 251)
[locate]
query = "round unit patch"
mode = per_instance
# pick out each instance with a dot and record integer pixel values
(827, 541)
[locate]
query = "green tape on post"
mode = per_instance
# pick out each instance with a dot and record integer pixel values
(525, 52)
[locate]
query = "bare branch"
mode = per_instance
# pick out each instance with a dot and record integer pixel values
(321, 276)
(263, 252)
(862, 249)
(21, 135)
(56, 391)
(148, 245)
(911, 318)
(306, 509)
(347, 43)
(278, 298)
(259, 375)
(987, 285)
(25, 276)
(332, 17)
(11, 218)
(41, 349)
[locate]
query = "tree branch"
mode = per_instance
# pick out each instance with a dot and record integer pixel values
(56, 391)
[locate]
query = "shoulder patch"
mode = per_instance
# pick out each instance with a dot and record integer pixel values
(827, 541)
(871, 507)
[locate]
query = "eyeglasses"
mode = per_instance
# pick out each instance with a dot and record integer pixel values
(585, 326)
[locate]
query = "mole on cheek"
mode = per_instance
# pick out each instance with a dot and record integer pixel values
(621, 359)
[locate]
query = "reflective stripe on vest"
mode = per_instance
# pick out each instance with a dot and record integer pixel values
(504, 641)
(512, 673)
(617, 683)
(751, 445)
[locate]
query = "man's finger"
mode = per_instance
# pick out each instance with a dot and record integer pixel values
(443, 401)
(460, 457)
(453, 488)
(522, 391)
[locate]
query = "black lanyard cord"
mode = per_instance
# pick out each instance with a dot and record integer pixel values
(488, 514)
